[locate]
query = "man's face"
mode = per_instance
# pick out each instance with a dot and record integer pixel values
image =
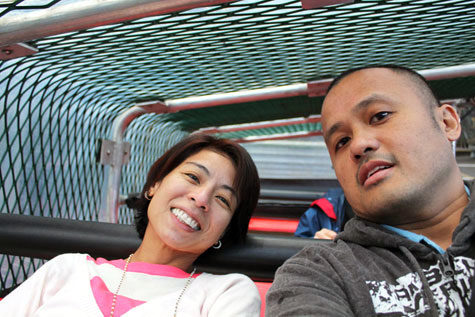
(388, 147)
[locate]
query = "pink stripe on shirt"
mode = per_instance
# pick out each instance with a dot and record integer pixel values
(104, 299)
(147, 268)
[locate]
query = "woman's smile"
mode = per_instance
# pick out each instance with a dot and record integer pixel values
(184, 218)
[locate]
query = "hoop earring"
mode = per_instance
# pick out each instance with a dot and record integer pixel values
(147, 196)
(217, 245)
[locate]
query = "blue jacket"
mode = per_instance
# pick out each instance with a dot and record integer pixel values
(326, 212)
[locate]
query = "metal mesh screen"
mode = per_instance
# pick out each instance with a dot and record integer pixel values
(259, 43)
(48, 132)
(20, 6)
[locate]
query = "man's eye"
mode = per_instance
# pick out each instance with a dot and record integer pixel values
(224, 200)
(341, 143)
(380, 116)
(193, 177)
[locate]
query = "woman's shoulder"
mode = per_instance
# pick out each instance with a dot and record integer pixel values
(69, 258)
(232, 276)
(226, 280)
(62, 266)
(223, 290)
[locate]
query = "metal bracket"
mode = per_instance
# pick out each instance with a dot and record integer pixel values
(16, 50)
(318, 88)
(313, 4)
(108, 151)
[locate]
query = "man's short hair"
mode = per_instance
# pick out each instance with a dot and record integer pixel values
(422, 86)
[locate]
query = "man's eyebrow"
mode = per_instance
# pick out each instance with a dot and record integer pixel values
(332, 130)
(365, 103)
(360, 106)
(206, 171)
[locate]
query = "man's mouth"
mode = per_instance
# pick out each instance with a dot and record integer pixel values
(371, 171)
(185, 219)
(374, 170)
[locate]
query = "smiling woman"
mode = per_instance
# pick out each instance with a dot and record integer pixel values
(198, 196)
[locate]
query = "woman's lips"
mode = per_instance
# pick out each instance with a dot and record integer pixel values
(186, 219)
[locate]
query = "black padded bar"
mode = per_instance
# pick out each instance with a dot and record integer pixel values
(280, 209)
(45, 237)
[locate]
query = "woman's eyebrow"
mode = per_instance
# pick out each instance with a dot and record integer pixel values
(207, 172)
(202, 167)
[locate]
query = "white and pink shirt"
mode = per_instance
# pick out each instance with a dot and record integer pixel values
(78, 285)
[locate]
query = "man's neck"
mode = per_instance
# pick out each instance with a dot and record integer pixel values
(441, 226)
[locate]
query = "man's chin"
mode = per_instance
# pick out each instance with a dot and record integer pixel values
(391, 210)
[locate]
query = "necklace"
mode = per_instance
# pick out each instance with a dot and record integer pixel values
(114, 299)
(187, 283)
(120, 284)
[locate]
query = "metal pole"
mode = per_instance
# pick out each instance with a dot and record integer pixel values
(81, 15)
(313, 89)
(449, 72)
(109, 210)
(260, 125)
(274, 137)
(176, 105)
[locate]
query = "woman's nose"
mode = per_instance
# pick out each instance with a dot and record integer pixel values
(201, 198)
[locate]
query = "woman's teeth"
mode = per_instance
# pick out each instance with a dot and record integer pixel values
(184, 218)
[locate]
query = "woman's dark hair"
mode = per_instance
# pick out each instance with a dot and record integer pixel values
(246, 182)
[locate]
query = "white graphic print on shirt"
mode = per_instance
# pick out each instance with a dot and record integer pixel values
(406, 297)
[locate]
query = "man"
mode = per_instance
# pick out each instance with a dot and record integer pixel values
(325, 217)
(409, 251)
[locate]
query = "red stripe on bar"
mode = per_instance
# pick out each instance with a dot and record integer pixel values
(273, 225)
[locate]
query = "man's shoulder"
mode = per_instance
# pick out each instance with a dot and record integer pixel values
(323, 250)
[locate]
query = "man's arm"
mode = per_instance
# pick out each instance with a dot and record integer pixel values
(307, 286)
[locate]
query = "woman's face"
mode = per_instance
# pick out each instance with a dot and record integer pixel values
(192, 206)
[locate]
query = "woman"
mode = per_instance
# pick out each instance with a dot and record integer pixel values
(199, 195)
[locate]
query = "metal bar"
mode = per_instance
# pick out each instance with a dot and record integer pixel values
(260, 125)
(449, 72)
(46, 237)
(279, 137)
(313, 4)
(294, 90)
(312, 89)
(81, 15)
(111, 187)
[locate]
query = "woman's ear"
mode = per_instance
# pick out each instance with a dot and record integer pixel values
(152, 190)
(451, 122)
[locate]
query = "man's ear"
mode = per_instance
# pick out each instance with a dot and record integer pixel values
(450, 122)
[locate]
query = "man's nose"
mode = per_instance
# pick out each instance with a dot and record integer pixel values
(362, 144)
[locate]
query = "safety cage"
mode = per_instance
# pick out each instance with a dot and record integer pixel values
(92, 92)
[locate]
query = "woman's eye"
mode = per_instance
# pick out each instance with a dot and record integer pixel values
(224, 200)
(380, 116)
(341, 143)
(193, 177)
